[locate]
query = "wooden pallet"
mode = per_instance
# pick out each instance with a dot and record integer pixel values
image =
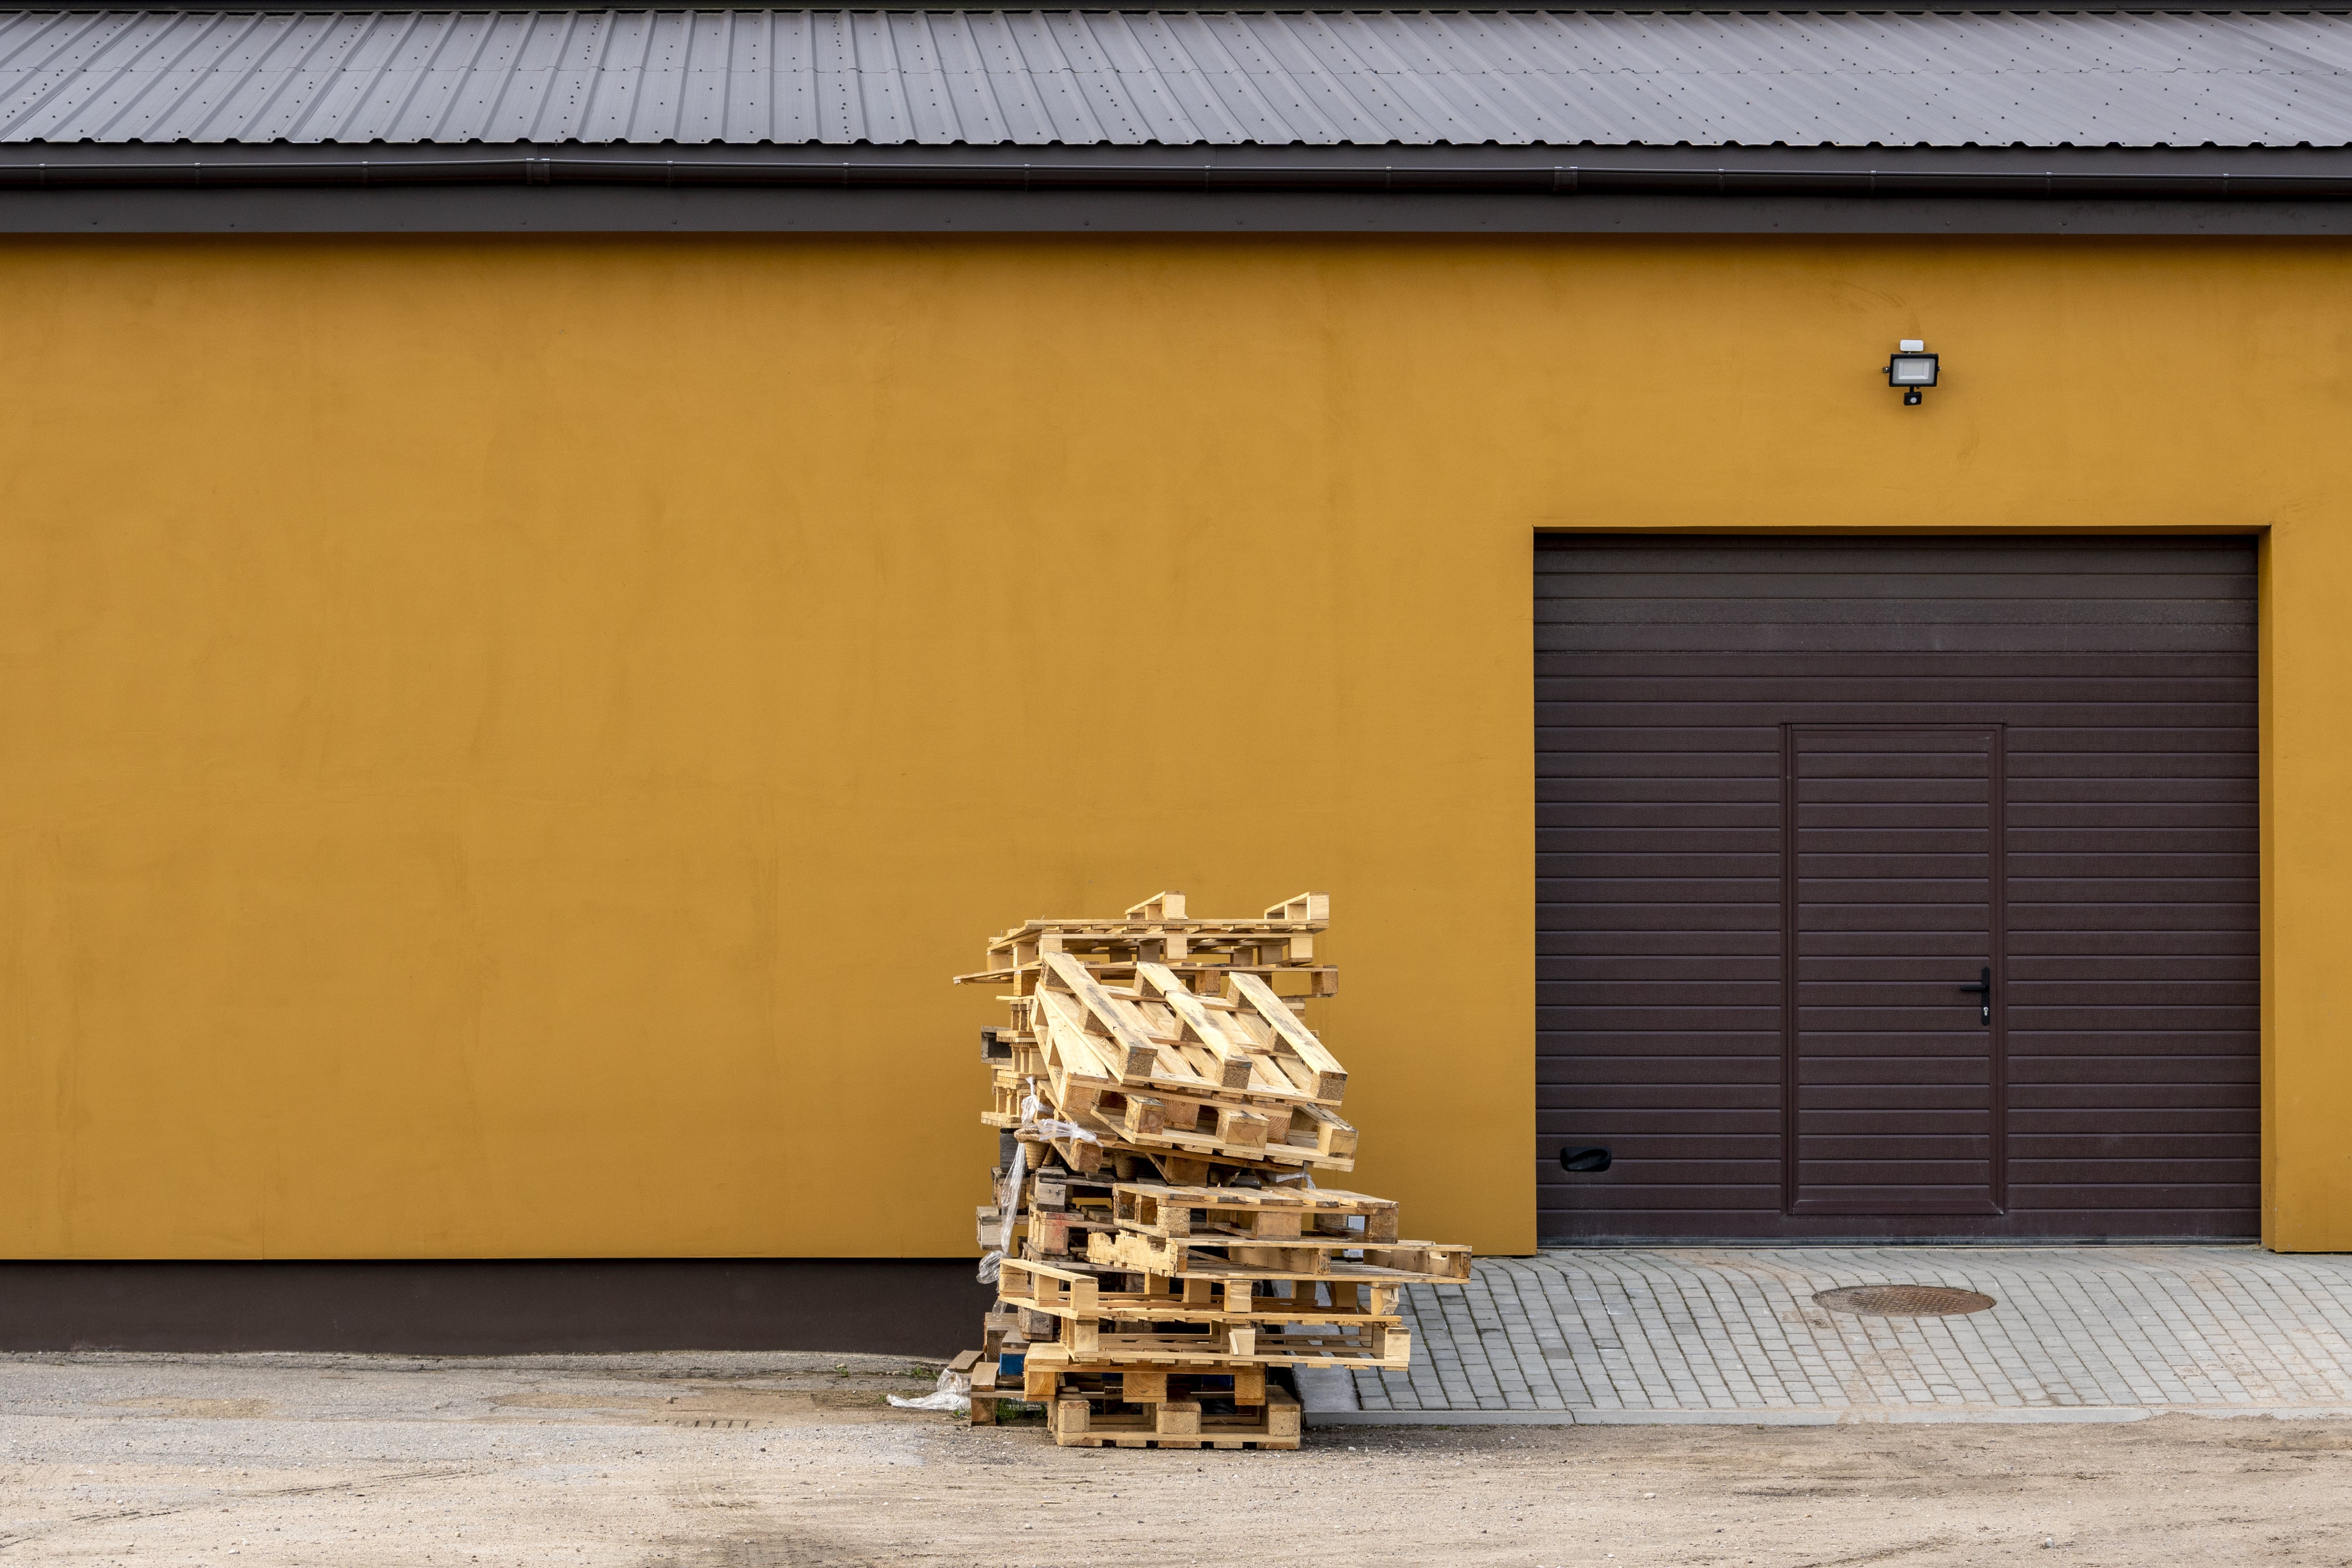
(1372, 1346)
(1177, 1159)
(1019, 1050)
(1308, 1258)
(1161, 928)
(1076, 1422)
(1166, 1035)
(1049, 1379)
(1379, 1347)
(1056, 1376)
(1284, 1213)
(1111, 1159)
(1068, 1290)
(1282, 1142)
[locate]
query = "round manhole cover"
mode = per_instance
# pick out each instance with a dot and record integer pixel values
(1902, 1301)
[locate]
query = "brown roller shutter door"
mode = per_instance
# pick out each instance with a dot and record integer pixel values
(1897, 887)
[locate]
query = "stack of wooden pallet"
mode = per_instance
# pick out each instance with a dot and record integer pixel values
(1158, 1239)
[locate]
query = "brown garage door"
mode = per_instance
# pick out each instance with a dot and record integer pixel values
(1897, 887)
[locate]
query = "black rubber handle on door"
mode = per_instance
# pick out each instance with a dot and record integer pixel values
(1982, 989)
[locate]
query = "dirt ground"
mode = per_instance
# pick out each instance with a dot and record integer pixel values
(748, 1461)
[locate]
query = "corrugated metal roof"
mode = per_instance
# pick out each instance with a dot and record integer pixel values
(1327, 79)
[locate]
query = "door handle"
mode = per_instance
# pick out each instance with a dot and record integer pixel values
(1983, 989)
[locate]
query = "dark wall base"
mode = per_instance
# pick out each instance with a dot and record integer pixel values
(927, 1307)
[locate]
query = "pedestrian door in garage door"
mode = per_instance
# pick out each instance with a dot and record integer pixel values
(1892, 1071)
(1898, 887)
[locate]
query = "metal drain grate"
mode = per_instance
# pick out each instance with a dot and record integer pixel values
(1902, 1301)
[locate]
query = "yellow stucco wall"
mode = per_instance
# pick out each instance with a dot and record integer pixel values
(502, 742)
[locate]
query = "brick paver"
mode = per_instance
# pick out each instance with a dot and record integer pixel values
(1734, 1334)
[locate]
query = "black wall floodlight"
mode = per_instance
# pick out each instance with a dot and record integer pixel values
(1911, 367)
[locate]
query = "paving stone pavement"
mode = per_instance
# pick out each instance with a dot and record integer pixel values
(1732, 1334)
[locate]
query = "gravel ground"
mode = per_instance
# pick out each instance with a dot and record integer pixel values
(742, 1461)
